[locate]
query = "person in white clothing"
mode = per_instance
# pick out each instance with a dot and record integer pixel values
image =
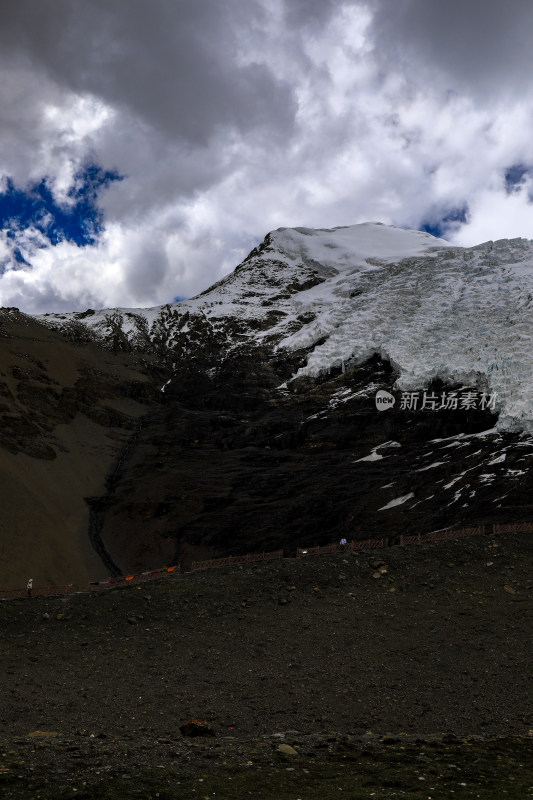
(29, 587)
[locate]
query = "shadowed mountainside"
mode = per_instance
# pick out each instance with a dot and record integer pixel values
(245, 419)
(67, 411)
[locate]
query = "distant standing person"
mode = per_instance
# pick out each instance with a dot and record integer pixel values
(29, 587)
(343, 543)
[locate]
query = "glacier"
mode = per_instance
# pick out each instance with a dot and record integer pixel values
(463, 315)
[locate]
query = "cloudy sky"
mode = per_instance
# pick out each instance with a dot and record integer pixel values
(147, 145)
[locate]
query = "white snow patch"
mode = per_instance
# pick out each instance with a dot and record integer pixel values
(367, 391)
(424, 499)
(375, 456)
(390, 444)
(372, 457)
(464, 436)
(398, 501)
(456, 497)
(454, 480)
(318, 415)
(340, 397)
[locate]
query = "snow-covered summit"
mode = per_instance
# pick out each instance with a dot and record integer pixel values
(353, 246)
(464, 315)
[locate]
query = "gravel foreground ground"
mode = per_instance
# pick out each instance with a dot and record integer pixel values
(409, 678)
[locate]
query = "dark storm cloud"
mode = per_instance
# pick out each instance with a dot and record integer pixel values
(174, 65)
(481, 46)
(308, 13)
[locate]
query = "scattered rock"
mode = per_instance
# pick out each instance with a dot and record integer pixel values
(287, 750)
(510, 589)
(197, 727)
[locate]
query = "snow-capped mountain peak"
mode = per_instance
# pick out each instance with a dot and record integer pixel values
(252, 412)
(340, 295)
(353, 246)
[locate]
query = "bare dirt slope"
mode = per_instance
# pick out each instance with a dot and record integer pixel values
(67, 410)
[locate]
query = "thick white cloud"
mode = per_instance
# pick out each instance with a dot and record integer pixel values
(230, 119)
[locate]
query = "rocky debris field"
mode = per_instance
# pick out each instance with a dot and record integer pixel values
(380, 669)
(312, 767)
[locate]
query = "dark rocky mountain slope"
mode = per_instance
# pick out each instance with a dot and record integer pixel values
(245, 419)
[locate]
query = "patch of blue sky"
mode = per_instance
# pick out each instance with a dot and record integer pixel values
(444, 223)
(515, 176)
(78, 220)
